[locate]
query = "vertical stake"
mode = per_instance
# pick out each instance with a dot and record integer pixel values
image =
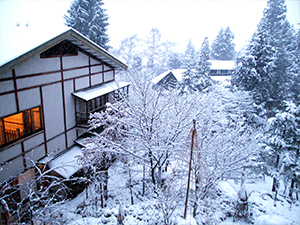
(190, 168)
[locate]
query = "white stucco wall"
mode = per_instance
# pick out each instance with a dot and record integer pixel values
(7, 85)
(9, 103)
(69, 104)
(29, 98)
(96, 79)
(53, 110)
(75, 61)
(108, 76)
(38, 65)
(11, 153)
(75, 73)
(81, 83)
(56, 145)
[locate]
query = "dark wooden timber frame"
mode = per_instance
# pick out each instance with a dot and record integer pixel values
(62, 80)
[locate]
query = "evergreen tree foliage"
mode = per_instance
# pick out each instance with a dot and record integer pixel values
(267, 67)
(190, 56)
(197, 78)
(223, 47)
(188, 84)
(202, 71)
(90, 19)
(295, 90)
(174, 61)
(282, 143)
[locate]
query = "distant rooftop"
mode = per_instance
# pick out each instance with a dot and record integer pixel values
(222, 64)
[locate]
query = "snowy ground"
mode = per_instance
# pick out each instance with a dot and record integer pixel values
(144, 211)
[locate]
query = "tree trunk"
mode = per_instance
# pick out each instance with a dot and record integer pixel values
(130, 186)
(292, 186)
(144, 174)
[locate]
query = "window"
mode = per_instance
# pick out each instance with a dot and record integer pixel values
(20, 125)
(84, 108)
(62, 49)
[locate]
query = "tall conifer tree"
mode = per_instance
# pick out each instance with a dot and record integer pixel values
(202, 72)
(223, 47)
(266, 69)
(90, 19)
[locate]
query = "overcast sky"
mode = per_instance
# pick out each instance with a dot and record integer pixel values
(177, 20)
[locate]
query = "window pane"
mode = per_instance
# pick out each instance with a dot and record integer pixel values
(2, 136)
(14, 127)
(36, 119)
(27, 122)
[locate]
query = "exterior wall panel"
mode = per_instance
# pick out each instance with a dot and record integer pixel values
(71, 137)
(38, 65)
(9, 103)
(56, 145)
(6, 75)
(69, 107)
(37, 80)
(96, 79)
(34, 141)
(29, 98)
(96, 69)
(12, 168)
(81, 83)
(53, 110)
(76, 73)
(35, 155)
(108, 76)
(75, 61)
(94, 62)
(6, 86)
(11, 152)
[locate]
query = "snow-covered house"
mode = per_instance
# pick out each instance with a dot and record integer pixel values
(219, 69)
(46, 95)
(222, 67)
(168, 79)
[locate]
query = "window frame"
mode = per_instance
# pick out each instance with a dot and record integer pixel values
(29, 126)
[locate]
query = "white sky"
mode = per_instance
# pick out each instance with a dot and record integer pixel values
(177, 20)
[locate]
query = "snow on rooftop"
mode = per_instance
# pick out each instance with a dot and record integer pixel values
(222, 64)
(22, 38)
(178, 73)
(100, 90)
(67, 164)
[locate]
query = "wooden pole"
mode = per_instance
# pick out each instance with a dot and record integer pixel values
(190, 168)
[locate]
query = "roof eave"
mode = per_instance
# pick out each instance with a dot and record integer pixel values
(71, 33)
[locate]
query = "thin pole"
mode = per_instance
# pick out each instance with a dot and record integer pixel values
(190, 168)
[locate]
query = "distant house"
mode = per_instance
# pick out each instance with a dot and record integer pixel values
(219, 71)
(168, 79)
(222, 67)
(46, 96)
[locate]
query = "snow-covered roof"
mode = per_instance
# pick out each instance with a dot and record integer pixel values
(222, 64)
(103, 89)
(32, 44)
(178, 74)
(67, 164)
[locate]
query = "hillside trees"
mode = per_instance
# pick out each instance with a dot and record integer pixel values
(90, 19)
(222, 47)
(267, 69)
